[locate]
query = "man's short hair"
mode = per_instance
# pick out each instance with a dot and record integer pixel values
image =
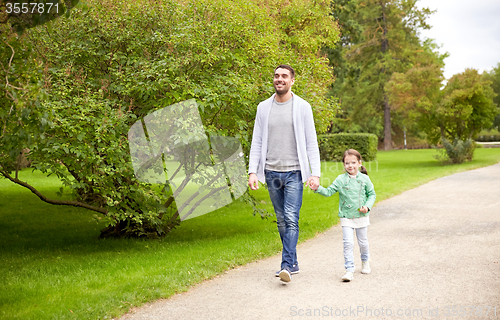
(289, 68)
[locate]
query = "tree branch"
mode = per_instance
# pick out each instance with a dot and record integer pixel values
(7, 84)
(213, 191)
(51, 201)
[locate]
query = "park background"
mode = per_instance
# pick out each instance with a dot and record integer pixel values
(81, 237)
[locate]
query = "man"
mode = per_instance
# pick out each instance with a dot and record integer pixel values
(285, 154)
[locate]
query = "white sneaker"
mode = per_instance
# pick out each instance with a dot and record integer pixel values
(285, 275)
(294, 270)
(348, 276)
(366, 267)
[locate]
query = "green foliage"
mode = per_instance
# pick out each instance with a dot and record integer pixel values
(110, 63)
(488, 136)
(389, 43)
(343, 12)
(457, 151)
(333, 146)
(459, 111)
(22, 119)
(414, 96)
(494, 77)
(467, 106)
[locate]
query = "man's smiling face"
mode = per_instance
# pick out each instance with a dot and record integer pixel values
(283, 81)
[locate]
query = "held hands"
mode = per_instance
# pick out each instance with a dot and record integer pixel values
(313, 183)
(253, 182)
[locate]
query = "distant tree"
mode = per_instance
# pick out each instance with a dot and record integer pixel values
(389, 43)
(414, 95)
(458, 111)
(343, 12)
(494, 77)
(466, 107)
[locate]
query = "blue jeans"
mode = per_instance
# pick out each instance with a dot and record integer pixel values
(285, 190)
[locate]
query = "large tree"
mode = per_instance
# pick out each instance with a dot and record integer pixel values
(494, 77)
(458, 111)
(415, 94)
(111, 64)
(389, 43)
(467, 106)
(343, 12)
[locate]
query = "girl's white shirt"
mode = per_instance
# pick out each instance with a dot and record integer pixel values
(355, 223)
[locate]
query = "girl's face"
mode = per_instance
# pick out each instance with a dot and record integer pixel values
(351, 164)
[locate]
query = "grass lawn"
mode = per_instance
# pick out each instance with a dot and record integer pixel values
(54, 267)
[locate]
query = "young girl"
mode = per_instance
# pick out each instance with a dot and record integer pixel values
(356, 197)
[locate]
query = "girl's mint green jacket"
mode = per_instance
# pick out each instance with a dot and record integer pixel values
(353, 194)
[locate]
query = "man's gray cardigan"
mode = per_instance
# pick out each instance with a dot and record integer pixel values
(305, 136)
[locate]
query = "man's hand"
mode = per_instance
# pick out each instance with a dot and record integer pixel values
(253, 181)
(313, 183)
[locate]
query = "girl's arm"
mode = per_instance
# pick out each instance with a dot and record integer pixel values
(332, 189)
(370, 194)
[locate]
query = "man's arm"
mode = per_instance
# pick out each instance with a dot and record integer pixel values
(256, 146)
(312, 148)
(255, 152)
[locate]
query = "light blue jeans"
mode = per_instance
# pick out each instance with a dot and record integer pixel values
(285, 190)
(362, 235)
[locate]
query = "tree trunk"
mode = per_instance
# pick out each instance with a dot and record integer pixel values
(387, 108)
(441, 127)
(385, 42)
(387, 124)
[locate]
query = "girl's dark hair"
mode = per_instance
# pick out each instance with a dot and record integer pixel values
(352, 152)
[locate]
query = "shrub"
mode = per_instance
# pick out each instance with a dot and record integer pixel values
(333, 146)
(457, 151)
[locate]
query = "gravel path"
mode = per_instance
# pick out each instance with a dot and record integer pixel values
(435, 253)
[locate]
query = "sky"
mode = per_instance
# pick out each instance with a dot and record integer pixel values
(468, 30)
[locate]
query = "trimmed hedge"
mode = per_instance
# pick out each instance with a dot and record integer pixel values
(488, 138)
(333, 146)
